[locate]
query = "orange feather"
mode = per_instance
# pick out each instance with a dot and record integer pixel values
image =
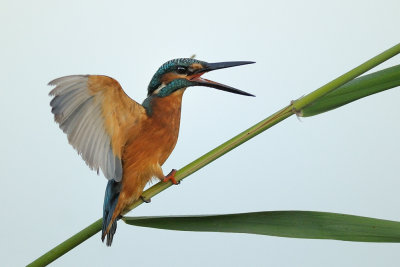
(114, 100)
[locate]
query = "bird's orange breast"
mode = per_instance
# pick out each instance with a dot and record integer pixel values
(149, 146)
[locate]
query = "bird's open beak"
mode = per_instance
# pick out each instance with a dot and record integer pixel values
(196, 77)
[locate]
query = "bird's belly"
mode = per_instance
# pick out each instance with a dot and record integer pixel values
(142, 160)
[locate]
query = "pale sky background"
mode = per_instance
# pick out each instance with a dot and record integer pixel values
(343, 161)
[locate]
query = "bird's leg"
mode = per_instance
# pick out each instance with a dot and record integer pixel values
(144, 199)
(171, 177)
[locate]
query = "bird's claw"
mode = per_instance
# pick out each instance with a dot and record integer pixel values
(171, 177)
(146, 200)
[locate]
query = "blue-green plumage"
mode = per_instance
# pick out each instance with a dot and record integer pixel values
(110, 202)
(170, 66)
(157, 89)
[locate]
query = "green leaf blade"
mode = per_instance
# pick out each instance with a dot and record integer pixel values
(356, 89)
(294, 224)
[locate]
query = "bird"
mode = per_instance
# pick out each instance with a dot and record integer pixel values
(128, 141)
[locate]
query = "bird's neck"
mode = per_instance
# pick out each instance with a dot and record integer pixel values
(166, 107)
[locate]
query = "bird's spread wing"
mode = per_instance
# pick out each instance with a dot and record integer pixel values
(96, 115)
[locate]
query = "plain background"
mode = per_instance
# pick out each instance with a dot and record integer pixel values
(344, 161)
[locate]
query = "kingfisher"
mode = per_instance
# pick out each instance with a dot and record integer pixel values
(129, 142)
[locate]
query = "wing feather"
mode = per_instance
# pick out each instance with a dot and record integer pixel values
(96, 114)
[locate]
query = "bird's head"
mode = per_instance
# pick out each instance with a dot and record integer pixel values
(181, 73)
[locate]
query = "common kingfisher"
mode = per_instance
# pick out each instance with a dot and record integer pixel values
(129, 142)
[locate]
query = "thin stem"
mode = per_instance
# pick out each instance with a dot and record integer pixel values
(68, 244)
(207, 158)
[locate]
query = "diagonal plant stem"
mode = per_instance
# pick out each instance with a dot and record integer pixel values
(294, 108)
(348, 76)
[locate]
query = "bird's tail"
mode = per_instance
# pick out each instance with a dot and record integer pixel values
(110, 202)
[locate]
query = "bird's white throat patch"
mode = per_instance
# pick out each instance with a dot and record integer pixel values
(159, 89)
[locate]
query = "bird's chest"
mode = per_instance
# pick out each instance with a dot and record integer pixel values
(158, 134)
(162, 136)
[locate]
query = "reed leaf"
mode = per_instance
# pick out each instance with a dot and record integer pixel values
(295, 224)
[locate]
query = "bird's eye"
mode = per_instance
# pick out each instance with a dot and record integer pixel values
(181, 70)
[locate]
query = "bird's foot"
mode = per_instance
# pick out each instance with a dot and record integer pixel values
(144, 199)
(171, 177)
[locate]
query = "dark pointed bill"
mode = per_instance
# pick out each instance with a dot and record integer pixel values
(224, 65)
(216, 66)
